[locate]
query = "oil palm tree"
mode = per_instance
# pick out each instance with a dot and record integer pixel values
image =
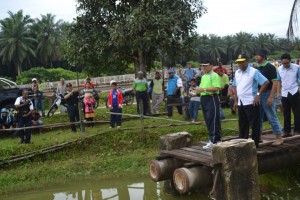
(16, 42)
(293, 22)
(215, 47)
(263, 41)
(228, 41)
(49, 35)
(243, 42)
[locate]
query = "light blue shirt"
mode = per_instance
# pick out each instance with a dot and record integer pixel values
(289, 78)
(189, 73)
(246, 83)
(173, 83)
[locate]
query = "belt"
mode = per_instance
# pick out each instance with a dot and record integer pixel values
(72, 104)
(208, 95)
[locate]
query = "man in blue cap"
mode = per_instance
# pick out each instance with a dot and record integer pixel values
(140, 88)
(267, 105)
(174, 90)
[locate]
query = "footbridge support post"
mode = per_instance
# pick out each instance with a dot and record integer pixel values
(236, 170)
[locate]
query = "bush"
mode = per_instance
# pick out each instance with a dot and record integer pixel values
(53, 74)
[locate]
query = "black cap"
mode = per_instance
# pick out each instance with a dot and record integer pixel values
(242, 57)
(69, 85)
(261, 52)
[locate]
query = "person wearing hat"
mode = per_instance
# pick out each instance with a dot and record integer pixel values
(209, 90)
(38, 97)
(246, 81)
(189, 73)
(157, 92)
(72, 99)
(140, 89)
(115, 103)
(199, 74)
(267, 105)
(61, 91)
(34, 85)
(220, 67)
(174, 86)
(6, 119)
(289, 79)
(25, 107)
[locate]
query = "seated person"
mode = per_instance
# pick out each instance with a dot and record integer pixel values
(35, 118)
(6, 119)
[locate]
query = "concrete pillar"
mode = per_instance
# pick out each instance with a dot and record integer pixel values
(169, 142)
(236, 176)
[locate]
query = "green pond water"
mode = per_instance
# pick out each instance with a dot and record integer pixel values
(128, 188)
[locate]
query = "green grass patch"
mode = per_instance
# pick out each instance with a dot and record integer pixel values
(102, 151)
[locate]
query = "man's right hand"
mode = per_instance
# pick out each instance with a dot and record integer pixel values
(235, 106)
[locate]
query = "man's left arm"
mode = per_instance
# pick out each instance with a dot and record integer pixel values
(274, 87)
(178, 85)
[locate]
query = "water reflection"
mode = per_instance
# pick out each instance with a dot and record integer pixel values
(117, 189)
(128, 188)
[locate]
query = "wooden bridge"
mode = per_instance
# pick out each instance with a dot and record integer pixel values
(191, 167)
(196, 153)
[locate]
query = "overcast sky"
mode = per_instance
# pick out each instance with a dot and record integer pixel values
(223, 17)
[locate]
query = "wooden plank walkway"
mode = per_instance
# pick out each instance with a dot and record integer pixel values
(196, 154)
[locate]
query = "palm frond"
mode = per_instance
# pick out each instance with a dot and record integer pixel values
(293, 22)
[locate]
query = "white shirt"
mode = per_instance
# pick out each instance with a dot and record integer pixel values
(246, 83)
(20, 100)
(289, 78)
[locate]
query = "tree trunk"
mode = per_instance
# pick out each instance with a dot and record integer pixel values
(141, 61)
(19, 69)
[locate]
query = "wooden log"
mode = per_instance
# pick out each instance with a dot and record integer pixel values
(163, 169)
(174, 141)
(189, 179)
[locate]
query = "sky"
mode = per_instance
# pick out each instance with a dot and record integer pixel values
(223, 17)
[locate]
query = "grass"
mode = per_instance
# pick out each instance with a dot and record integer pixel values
(109, 153)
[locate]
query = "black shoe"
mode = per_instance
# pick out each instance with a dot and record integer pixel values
(287, 135)
(28, 142)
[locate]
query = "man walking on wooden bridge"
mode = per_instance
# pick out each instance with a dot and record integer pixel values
(246, 82)
(289, 77)
(267, 105)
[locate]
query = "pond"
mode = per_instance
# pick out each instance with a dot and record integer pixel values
(128, 188)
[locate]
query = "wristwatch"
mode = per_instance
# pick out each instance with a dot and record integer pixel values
(257, 93)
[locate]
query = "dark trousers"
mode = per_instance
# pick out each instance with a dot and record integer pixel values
(170, 108)
(142, 97)
(90, 120)
(211, 112)
(291, 102)
(224, 91)
(249, 115)
(73, 113)
(115, 119)
(25, 135)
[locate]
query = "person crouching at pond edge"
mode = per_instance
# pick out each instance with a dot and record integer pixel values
(209, 90)
(115, 101)
(89, 109)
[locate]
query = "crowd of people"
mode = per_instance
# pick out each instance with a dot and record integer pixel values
(253, 93)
